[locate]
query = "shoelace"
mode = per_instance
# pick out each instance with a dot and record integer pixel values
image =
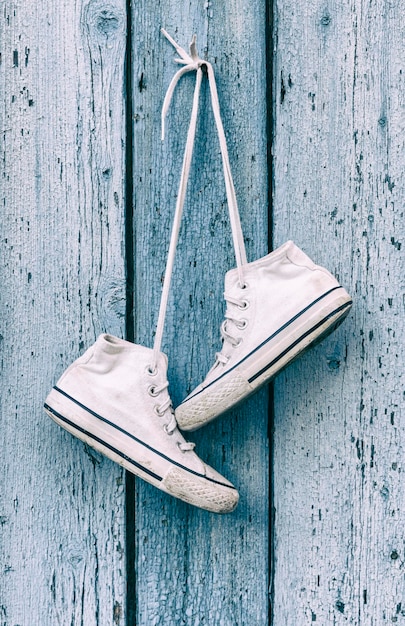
(192, 62)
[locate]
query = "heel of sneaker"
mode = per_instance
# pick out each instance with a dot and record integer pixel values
(303, 334)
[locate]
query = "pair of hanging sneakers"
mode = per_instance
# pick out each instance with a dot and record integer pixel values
(115, 396)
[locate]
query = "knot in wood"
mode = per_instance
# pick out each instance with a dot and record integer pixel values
(104, 19)
(112, 301)
(340, 606)
(107, 23)
(326, 19)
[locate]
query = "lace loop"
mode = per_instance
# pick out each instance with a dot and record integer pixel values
(161, 409)
(155, 390)
(186, 446)
(221, 358)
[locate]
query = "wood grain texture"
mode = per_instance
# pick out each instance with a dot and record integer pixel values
(339, 429)
(62, 282)
(193, 567)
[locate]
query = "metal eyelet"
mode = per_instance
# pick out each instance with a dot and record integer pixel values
(242, 324)
(168, 432)
(238, 342)
(243, 305)
(243, 286)
(151, 371)
(152, 391)
(158, 411)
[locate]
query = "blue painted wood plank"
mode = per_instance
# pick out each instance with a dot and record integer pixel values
(339, 430)
(62, 505)
(194, 567)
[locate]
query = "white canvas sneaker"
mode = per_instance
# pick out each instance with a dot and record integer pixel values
(115, 396)
(116, 401)
(285, 304)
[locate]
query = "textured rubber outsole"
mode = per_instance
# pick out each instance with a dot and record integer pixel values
(247, 377)
(188, 486)
(195, 490)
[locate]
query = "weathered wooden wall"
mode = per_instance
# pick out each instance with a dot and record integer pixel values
(339, 157)
(81, 151)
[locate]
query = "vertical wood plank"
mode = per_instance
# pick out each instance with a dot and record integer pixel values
(62, 282)
(194, 567)
(339, 429)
